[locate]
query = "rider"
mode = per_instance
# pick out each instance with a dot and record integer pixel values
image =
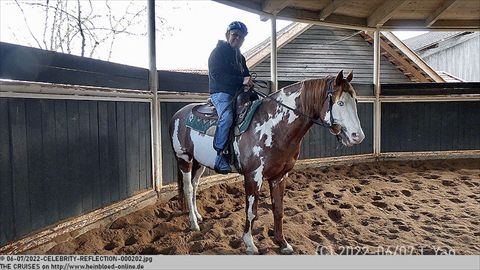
(227, 75)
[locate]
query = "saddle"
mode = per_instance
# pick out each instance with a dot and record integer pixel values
(204, 117)
(207, 111)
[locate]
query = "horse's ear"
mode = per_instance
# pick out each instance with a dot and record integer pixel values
(350, 76)
(339, 78)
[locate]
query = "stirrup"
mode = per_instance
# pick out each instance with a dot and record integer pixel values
(218, 163)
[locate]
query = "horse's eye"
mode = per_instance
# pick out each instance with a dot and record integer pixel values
(340, 103)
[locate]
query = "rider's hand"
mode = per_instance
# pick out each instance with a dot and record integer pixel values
(247, 81)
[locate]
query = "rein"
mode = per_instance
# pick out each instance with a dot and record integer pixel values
(330, 92)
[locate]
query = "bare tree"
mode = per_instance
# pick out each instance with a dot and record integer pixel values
(72, 26)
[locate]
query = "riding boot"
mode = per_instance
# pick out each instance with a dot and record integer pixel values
(221, 164)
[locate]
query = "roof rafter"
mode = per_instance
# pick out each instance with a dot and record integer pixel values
(432, 18)
(384, 12)
(274, 6)
(334, 5)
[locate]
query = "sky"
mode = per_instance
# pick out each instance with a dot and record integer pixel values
(189, 32)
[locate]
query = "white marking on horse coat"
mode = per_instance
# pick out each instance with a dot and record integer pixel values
(236, 148)
(248, 240)
(177, 147)
(267, 127)
(195, 182)
(251, 200)
(288, 100)
(203, 148)
(258, 178)
(275, 183)
(247, 237)
(188, 190)
(292, 117)
(256, 150)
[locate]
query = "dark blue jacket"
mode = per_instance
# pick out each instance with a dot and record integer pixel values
(226, 69)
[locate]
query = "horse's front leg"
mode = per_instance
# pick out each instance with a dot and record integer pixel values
(277, 190)
(251, 203)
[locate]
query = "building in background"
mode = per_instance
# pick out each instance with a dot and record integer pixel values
(455, 55)
(310, 51)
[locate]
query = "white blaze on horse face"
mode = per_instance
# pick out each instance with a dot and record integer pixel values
(345, 114)
(177, 147)
(203, 150)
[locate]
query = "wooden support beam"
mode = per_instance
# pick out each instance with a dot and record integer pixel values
(377, 113)
(448, 25)
(334, 5)
(432, 18)
(384, 12)
(413, 57)
(399, 58)
(274, 6)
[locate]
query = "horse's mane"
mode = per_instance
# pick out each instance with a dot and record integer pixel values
(313, 92)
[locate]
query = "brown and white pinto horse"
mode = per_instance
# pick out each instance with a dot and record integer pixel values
(270, 147)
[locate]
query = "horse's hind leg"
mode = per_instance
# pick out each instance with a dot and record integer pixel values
(186, 170)
(251, 203)
(197, 171)
(277, 190)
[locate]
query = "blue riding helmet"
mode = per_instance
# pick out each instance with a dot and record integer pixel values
(238, 25)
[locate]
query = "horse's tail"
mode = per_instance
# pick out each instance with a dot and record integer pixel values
(181, 195)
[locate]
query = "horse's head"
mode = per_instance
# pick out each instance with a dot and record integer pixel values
(343, 111)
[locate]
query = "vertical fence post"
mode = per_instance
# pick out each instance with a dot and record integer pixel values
(153, 86)
(273, 58)
(376, 83)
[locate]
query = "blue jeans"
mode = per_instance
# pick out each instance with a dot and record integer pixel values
(224, 105)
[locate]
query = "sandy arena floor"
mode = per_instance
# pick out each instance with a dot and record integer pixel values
(411, 207)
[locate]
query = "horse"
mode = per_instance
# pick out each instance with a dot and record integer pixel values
(270, 146)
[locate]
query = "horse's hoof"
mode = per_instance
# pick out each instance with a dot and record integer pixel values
(287, 250)
(252, 250)
(195, 227)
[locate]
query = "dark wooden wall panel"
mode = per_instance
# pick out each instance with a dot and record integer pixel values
(169, 167)
(84, 169)
(122, 154)
(430, 126)
(49, 161)
(21, 204)
(36, 176)
(7, 220)
(64, 158)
